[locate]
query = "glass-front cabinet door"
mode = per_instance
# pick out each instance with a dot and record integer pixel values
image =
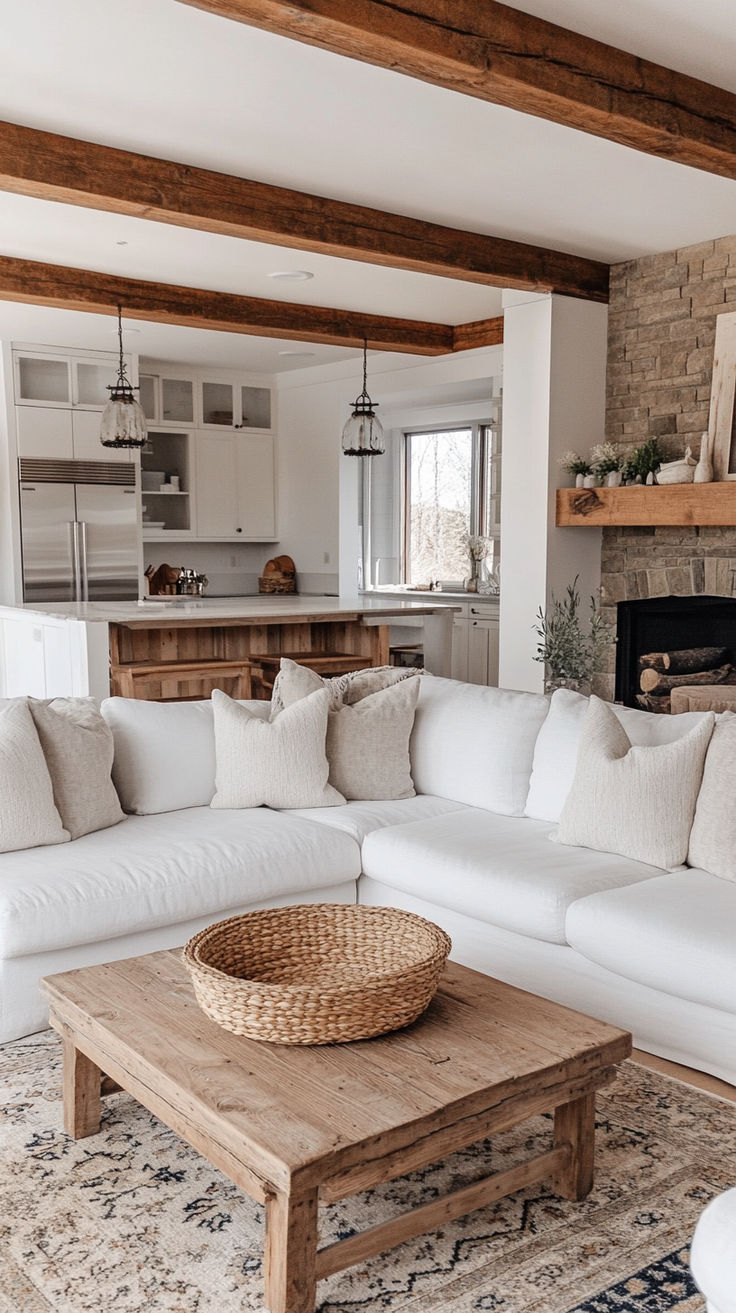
(255, 408)
(218, 405)
(42, 380)
(93, 378)
(177, 400)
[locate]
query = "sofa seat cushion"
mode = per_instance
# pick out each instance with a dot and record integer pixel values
(498, 869)
(360, 818)
(675, 933)
(152, 871)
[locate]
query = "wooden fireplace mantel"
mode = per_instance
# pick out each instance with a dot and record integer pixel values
(679, 503)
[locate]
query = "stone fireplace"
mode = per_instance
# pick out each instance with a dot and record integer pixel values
(678, 562)
(704, 627)
(662, 321)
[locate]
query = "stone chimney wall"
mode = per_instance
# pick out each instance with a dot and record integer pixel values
(662, 323)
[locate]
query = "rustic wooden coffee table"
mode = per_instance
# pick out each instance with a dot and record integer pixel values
(295, 1127)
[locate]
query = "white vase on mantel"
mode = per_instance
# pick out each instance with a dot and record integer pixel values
(613, 479)
(704, 468)
(589, 480)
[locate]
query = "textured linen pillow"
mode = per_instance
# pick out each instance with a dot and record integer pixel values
(295, 681)
(556, 748)
(713, 836)
(28, 816)
(368, 744)
(635, 801)
(78, 747)
(279, 764)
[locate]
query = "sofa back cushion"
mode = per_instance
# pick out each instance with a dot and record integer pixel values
(28, 815)
(164, 753)
(78, 747)
(556, 751)
(475, 744)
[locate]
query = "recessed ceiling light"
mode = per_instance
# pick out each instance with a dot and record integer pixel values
(121, 243)
(298, 355)
(292, 275)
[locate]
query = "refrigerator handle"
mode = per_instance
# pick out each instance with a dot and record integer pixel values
(76, 568)
(82, 527)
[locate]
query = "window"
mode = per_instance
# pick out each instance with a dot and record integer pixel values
(452, 487)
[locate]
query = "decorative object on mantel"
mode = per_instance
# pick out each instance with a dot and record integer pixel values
(363, 432)
(480, 579)
(321, 973)
(123, 422)
(704, 468)
(641, 462)
(279, 576)
(578, 466)
(571, 655)
(607, 461)
(722, 394)
(678, 471)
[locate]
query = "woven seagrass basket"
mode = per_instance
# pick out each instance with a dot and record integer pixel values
(320, 973)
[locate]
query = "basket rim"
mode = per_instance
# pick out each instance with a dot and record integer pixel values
(378, 978)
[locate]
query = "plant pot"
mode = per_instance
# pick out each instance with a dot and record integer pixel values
(613, 479)
(553, 682)
(579, 480)
(589, 480)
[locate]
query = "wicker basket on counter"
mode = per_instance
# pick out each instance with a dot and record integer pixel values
(320, 973)
(279, 576)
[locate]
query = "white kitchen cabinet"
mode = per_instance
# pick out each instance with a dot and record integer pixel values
(236, 486)
(66, 379)
(232, 403)
(168, 398)
(475, 644)
(50, 433)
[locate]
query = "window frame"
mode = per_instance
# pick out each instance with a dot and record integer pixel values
(482, 432)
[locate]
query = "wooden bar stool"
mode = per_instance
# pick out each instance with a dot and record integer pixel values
(135, 679)
(265, 666)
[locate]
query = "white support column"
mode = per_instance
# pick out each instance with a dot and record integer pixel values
(554, 399)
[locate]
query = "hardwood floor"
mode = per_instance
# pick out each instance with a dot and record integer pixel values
(700, 1079)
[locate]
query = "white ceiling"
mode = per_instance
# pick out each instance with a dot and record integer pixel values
(160, 77)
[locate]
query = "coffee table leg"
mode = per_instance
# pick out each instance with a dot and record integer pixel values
(291, 1251)
(575, 1125)
(82, 1082)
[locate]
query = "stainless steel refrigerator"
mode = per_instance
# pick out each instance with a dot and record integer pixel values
(79, 530)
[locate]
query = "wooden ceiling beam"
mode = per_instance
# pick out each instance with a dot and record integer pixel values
(56, 168)
(488, 50)
(163, 303)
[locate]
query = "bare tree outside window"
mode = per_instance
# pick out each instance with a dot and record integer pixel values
(452, 489)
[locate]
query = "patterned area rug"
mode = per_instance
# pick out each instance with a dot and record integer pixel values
(133, 1219)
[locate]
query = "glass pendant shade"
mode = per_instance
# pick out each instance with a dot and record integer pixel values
(123, 422)
(363, 433)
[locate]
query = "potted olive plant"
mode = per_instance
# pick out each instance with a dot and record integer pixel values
(570, 647)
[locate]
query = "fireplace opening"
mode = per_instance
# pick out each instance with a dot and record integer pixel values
(694, 636)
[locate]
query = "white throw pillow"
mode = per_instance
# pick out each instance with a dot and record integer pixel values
(78, 747)
(556, 749)
(164, 753)
(474, 744)
(279, 764)
(368, 744)
(295, 681)
(713, 836)
(28, 814)
(635, 801)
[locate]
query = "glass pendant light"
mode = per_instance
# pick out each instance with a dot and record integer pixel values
(363, 432)
(123, 421)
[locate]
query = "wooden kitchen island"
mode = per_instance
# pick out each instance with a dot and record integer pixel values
(65, 648)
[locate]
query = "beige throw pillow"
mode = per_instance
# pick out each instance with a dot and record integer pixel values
(368, 744)
(713, 836)
(636, 801)
(28, 816)
(78, 747)
(295, 681)
(279, 764)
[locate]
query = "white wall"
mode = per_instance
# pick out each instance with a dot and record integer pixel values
(554, 399)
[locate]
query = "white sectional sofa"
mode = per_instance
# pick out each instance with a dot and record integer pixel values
(651, 950)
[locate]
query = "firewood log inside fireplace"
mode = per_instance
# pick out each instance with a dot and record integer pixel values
(685, 660)
(650, 681)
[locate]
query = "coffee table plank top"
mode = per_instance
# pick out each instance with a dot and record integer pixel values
(292, 1110)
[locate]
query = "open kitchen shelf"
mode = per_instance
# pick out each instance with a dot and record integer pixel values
(678, 503)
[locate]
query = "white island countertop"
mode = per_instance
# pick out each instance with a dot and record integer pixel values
(228, 610)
